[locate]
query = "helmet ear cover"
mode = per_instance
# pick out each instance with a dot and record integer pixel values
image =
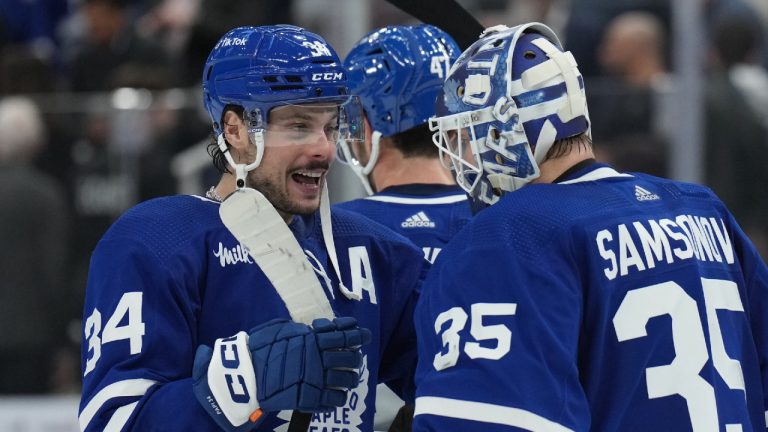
(515, 92)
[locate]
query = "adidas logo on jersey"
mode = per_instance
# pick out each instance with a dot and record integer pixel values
(419, 220)
(644, 194)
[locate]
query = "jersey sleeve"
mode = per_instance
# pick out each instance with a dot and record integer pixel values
(398, 362)
(756, 279)
(759, 283)
(498, 342)
(139, 341)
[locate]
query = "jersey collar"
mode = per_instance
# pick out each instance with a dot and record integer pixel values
(421, 189)
(303, 225)
(588, 170)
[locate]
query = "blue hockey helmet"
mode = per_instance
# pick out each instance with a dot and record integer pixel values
(397, 71)
(505, 102)
(260, 68)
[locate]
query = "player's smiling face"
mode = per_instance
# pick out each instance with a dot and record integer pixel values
(300, 144)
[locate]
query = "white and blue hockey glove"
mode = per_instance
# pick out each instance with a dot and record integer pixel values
(276, 366)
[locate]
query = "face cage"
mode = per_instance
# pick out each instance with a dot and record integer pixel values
(468, 175)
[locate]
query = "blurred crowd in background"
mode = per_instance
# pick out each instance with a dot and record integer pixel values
(100, 109)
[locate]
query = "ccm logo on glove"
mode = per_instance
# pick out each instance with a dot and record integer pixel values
(279, 365)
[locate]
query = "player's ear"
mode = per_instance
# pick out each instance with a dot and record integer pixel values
(234, 131)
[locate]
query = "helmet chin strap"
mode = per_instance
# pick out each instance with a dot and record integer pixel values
(508, 183)
(242, 170)
(363, 172)
(375, 137)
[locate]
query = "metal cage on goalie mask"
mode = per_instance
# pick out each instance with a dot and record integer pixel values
(397, 72)
(259, 68)
(506, 100)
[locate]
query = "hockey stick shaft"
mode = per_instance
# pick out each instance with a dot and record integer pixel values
(255, 223)
(448, 15)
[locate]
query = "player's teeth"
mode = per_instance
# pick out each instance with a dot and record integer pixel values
(310, 173)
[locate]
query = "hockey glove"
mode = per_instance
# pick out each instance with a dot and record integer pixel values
(278, 365)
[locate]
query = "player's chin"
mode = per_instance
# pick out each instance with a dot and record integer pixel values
(304, 203)
(304, 207)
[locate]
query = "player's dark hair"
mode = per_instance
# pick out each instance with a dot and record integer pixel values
(565, 146)
(415, 142)
(219, 161)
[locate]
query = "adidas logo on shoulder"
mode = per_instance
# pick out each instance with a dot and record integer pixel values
(419, 220)
(644, 194)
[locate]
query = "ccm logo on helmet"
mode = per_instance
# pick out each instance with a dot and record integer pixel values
(326, 76)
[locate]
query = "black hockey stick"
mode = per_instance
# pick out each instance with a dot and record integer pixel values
(300, 422)
(447, 15)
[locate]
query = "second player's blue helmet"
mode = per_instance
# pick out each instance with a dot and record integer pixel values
(506, 100)
(397, 72)
(260, 68)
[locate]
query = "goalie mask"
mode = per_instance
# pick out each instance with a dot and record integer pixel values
(264, 68)
(397, 71)
(506, 100)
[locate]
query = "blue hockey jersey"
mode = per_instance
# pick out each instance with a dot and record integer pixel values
(427, 214)
(606, 302)
(168, 276)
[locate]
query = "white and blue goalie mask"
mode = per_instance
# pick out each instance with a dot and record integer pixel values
(505, 101)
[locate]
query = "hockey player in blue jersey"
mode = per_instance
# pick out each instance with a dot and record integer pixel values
(582, 298)
(185, 329)
(397, 71)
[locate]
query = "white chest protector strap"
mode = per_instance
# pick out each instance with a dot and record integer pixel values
(255, 223)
